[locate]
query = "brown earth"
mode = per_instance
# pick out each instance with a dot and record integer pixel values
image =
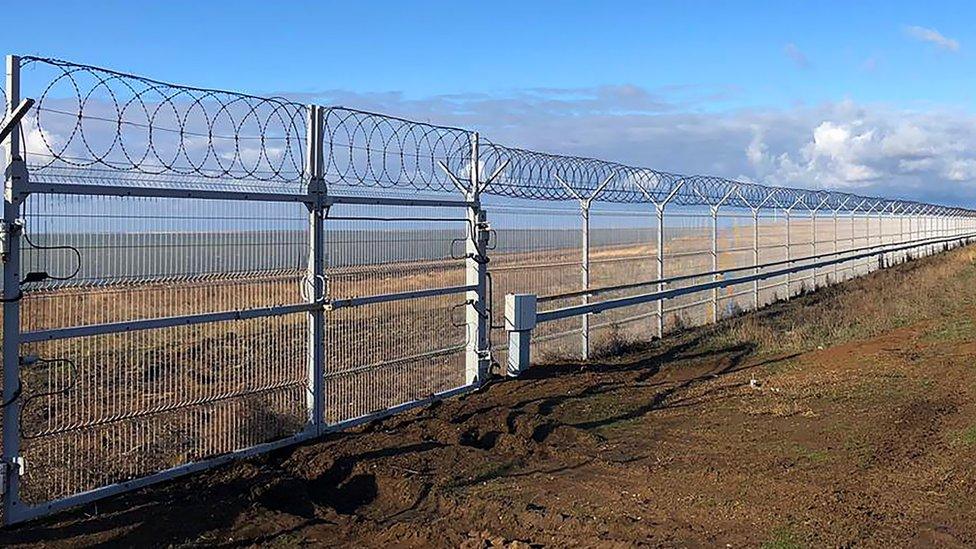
(859, 430)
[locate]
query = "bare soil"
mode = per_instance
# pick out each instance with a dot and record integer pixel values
(843, 417)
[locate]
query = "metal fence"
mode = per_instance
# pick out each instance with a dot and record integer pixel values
(193, 275)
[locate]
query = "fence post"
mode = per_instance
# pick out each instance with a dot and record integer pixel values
(755, 241)
(716, 277)
(881, 237)
(659, 209)
(836, 247)
(813, 214)
(585, 270)
(585, 342)
(15, 177)
(755, 256)
(901, 232)
(477, 361)
(317, 211)
(789, 246)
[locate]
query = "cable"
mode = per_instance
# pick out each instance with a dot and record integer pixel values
(43, 275)
(27, 401)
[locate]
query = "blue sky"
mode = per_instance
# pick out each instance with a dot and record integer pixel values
(822, 94)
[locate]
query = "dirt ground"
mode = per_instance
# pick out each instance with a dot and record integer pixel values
(843, 417)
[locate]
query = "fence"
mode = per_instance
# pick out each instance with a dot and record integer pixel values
(193, 276)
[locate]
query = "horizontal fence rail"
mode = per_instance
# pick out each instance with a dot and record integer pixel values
(194, 275)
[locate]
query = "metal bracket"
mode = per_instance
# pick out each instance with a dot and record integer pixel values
(16, 228)
(17, 465)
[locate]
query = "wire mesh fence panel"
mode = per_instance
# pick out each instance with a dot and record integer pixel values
(801, 244)
(687, 251)
(861, 238)
(101, 409)
(734, 248)
(110, 259)
(104, 409)
(383, 354)
(537, 249)
(623, 250)
(772, 248)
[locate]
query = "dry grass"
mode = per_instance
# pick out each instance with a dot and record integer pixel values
(867, 306)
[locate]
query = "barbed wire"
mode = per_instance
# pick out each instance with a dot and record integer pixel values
(364, 149)
(87, 116)
(90, 117)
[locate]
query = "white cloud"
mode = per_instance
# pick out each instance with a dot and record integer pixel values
(797, 56)
(932, 36)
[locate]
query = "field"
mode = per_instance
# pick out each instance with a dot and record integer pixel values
(860, 428)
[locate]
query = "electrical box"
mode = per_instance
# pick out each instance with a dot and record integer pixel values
(520, 312)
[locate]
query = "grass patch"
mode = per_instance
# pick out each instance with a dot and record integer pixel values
(784, 537)
(955, 329)
(967, 437)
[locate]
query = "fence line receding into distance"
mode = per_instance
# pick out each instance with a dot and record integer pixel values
(193, 276)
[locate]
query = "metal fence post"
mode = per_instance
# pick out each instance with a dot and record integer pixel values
(755, 240)
(659, 209)
(714, 211)
(901, 231)
(813, 214)
(585, 204)
(317, 210)
(16, 176)
(585, 342)
(789, 246)
(755, 257)
(477, 361)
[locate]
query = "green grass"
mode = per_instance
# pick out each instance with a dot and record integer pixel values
(967, 437)
(954, 329)
(784, 537)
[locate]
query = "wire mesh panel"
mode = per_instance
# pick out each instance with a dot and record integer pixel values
(734, 250)
(383, 354)
(538, 250)
(687, 251)
(106, 408)
(772, 248)
(623, 250)
(114, 259)
(801, 244)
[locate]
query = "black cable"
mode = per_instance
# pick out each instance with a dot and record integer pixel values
(37, 277)
(25, 405)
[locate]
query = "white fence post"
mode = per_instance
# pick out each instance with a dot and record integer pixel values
(477, 361)
(585, 203)
(585, 273)
(317, 210)
(789, 246)
(714, 211)
(15, 178)
(755, 258)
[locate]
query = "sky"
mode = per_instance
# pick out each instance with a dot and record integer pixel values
(866, 97)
